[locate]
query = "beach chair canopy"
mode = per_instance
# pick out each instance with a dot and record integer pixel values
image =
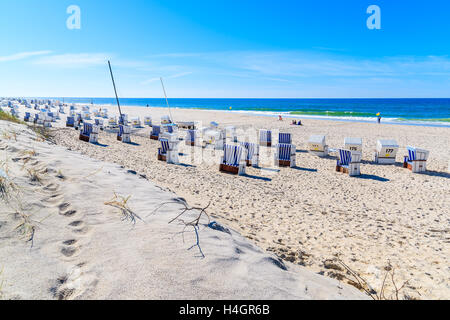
(284, 138)
(251, 149)
(232, 155)
(87, 129)
(381, 144)
(416, 154)
(164, 146)
(165, 120)
(284, 151)
(70, 120)
(265, 135)
(156, 130)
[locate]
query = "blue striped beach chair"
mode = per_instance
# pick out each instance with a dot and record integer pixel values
(124, 134)
(349, 162)
(252, 158)
(168, 151)
(27, 117)
(191, 136)
(123, 119)
(416, 160)
(285, 155)
(265, 138)
(284, 138)
(162, 151)
(70, 122)
(233, 159)
(87, 134)
(99, 123)
(156, 131)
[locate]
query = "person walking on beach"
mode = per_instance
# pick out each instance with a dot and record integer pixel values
(379, 118)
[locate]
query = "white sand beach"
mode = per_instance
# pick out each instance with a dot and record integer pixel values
(60, 241)
(387, 220)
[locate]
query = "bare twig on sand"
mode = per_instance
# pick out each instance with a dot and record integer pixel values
(362, 284)
(195, 223)
(121, 203)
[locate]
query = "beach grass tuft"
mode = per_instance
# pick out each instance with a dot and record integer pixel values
(121, 203)
(8, 117)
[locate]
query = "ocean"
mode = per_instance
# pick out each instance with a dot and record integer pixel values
(432, 112)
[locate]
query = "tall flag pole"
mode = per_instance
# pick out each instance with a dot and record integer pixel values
(167, 101)
(115, 91)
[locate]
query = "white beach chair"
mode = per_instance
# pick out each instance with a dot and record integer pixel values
(416, 160)
(168, 151)
(156, 131)
(89, 133)
(99, 123)
(123, 119)
(112, 121)
(317, 146)
(233, 160)
(136, 122)
(148, 121)
(353, 144)
(166, 120)
(252, 159)
(188, 125)
(265, 138)
(285, 155)
(349, 162)
(191, 138)
(104, 113)
(386, 151)
(230, 134)
(215, 138)
(124, 134)
(86, 115)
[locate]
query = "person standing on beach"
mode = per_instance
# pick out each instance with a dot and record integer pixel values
(379, 118)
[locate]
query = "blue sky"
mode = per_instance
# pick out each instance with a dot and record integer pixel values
(241, 49)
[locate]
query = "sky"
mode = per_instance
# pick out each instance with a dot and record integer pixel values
(226, 49)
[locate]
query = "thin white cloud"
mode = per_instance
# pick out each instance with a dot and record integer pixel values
(77, 60)
(178, 75)
(23, 55)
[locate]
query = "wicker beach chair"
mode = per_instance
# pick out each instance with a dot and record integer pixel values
(252, 158)
(265, 138)
(353, 144)
(168, 151)
(191, 137)
(416, 160)
(124, 134)
(233, 160)
(70, 122)
(27, 117)
(349, 162)
(156, 131)
(285, 155)
(89, 133)
(386, 152)
(148, 121)
(317, 146)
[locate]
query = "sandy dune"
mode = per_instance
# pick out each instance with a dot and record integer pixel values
(83, 249)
